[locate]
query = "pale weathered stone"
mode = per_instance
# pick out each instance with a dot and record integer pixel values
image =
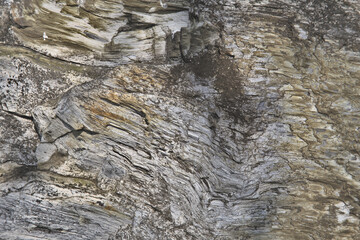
(179, 119)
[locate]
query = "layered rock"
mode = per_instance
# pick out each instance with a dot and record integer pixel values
(179, 120)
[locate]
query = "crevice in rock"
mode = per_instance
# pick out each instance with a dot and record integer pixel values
(52, 57)
(23, 116)
(76, 133)
(46, 229)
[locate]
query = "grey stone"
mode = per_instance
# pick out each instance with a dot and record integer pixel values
(179, 119)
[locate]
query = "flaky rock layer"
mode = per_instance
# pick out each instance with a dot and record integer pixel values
(179, 119)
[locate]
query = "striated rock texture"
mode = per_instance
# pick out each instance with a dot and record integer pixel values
(199, 119)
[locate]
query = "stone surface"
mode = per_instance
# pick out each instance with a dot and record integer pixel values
(179, 119)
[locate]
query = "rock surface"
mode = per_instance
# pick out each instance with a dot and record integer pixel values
(201, 119)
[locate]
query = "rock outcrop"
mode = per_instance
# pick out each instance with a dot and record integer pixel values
(179, 119)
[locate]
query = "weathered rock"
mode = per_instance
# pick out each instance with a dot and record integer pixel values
(179, 119)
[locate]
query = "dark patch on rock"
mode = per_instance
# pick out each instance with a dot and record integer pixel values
(221, 73)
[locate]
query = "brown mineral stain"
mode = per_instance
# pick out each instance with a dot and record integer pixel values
(100, 111)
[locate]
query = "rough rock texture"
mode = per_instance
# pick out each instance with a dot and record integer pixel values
(199, 119)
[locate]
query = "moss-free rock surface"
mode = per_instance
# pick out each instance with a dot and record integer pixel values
(179, 119)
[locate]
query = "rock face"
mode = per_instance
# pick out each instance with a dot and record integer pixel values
(144, 119)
